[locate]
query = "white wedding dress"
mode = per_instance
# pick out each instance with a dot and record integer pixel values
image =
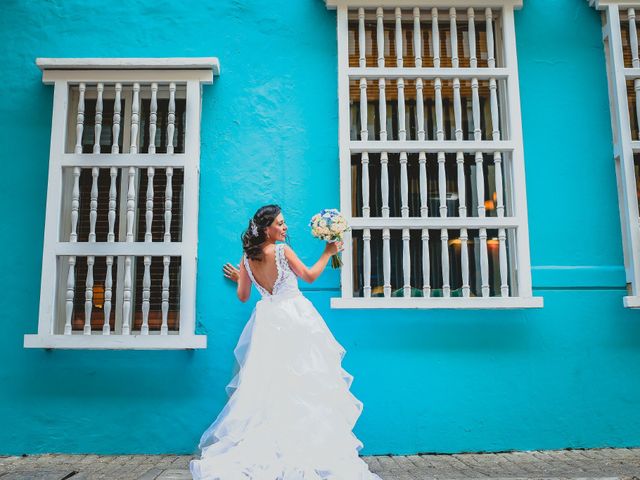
(290, 413)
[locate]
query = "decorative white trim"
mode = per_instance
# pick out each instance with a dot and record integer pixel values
(141, 79)
(116, 342)
(506, 73)
(332, 4)
(623, 145)
(176, 63)
(438, 302)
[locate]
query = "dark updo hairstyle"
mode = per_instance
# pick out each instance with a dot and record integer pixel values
(262, 219)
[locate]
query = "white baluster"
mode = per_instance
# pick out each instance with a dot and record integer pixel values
(439, 117)
(475, 102)
(80, 118)
(455, 62)
(444, 241)
(146, 281)
(435, 37)
(480, 184)
(402, 130)
(380, 35)
(71, 282)
(365, 184)
(491, 61)
(117, 108)
(135, 118)
(366, 257)
(404, 185)
(457, 109)
(424, 208)
(383, 109)
(361, 39)
(168, 204)
(473, 61)
(399, 46)
(127, 295)
(464, 260)
(386, 261)
(442, 184)
(108, 283)
(636, 87)
(128, 281)
(426, 266)
(153, 117)
(484, 263)
(384, 183)
(98, 122)
(131, 203)
(495, 114)
(420, 108)
(633, 36)
(504, 284)
(108, 289)
(417, 37)
(93, 214)
(73, 237)
(171, 117)
(166, 260)
(406, 263)
(364, 134)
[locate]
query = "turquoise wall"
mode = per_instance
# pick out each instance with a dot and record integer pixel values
(431, 381)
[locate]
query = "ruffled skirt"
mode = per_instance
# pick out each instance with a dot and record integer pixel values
(290, 413)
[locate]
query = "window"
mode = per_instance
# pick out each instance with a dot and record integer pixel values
(620, 37)
(119, 260)
(431, 157)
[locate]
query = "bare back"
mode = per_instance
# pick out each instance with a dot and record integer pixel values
(265, 271)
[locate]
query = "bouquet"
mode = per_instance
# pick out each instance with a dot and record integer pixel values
(329, 225)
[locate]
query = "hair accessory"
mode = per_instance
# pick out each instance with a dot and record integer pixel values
(254, 228)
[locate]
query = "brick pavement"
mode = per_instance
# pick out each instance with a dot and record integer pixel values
(607, 463)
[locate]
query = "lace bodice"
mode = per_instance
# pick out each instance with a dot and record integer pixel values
(286, 281)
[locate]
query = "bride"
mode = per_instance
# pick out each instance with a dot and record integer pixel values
(290, 413)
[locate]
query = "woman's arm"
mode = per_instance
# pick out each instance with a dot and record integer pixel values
(307, 274)
(241, 276)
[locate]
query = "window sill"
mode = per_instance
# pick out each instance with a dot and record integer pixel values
(455, 303)
(116, 342)
(631, 302)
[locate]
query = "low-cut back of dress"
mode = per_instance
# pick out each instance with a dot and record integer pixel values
(290, 413)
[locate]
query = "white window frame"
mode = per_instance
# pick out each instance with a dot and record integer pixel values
(63, 72)
(624, 146)
(514, 146)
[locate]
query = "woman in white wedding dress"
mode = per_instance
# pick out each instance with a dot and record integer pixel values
(290, 413)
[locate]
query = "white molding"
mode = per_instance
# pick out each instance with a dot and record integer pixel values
(431, 146)
(455, 303)
(631, 301)
(623, 145)
(105, 160)
(433, 222)
(428, 73)
(161, 63)
(188, 74)
(507, 76)
(603, 4)
(116, 342)
(332, 4)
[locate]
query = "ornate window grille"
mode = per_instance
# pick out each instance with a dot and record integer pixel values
(119, 260)
(431, 158)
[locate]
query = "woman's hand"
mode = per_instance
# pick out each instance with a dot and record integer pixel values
(231, 272)
(333, 247)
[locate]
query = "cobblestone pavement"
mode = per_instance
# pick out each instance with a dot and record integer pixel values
(607, 463)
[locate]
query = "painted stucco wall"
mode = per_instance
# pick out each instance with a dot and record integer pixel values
(447, 381)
